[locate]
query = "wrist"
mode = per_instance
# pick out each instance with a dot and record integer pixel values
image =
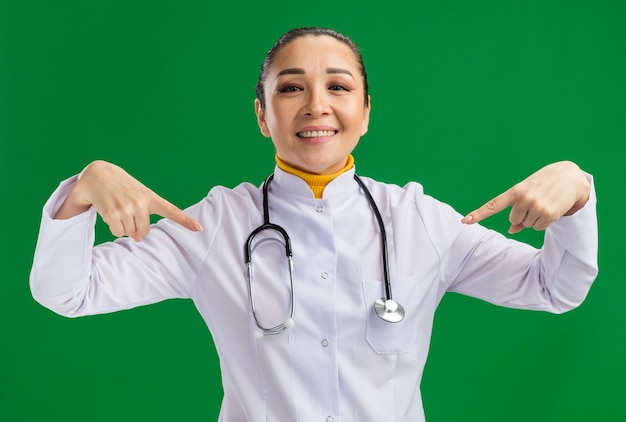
(74, 203)
(586, 193)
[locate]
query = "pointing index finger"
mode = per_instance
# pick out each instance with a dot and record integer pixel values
(494, 206)
(166, 209)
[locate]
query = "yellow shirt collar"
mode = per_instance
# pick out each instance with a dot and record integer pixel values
(317, 182)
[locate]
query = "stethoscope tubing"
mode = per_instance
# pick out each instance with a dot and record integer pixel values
(288, 252)
(383, 235)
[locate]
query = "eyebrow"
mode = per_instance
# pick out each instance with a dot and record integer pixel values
(339, 70)
(300, 71)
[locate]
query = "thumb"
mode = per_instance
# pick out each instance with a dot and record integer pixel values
(168, 210)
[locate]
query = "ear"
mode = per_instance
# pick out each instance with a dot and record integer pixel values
(366, 116)
(260, 118)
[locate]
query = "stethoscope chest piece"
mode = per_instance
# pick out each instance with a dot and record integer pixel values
(389, 310)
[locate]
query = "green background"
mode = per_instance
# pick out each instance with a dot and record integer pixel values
(468, 98)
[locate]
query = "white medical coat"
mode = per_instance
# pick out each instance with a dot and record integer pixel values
(339, 361)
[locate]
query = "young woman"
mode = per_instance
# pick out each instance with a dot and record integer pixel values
(319, 287)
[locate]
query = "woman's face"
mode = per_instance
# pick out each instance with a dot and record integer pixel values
(314, 109)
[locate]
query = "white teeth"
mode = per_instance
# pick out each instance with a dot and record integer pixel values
(316, 133)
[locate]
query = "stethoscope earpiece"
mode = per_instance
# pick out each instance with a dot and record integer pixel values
(258, 333)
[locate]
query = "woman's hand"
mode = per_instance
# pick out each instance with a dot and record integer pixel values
(121, 200)
(556, 190)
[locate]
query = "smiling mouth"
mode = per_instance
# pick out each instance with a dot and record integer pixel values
(316, 133)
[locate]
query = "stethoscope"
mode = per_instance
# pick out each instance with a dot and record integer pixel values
(386, 308)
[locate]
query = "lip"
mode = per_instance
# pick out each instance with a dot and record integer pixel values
(316, 128)
(317, 140)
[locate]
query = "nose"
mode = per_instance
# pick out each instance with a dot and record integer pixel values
(317, 103)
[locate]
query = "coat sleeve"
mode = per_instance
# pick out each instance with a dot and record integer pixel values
(555, 278)
(72, 277)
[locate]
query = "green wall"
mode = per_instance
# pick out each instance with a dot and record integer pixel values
(468, 98)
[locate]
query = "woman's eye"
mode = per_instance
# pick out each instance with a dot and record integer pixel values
(338, 88)
(290, 88)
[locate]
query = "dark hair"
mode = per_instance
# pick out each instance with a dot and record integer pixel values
(301, 32)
